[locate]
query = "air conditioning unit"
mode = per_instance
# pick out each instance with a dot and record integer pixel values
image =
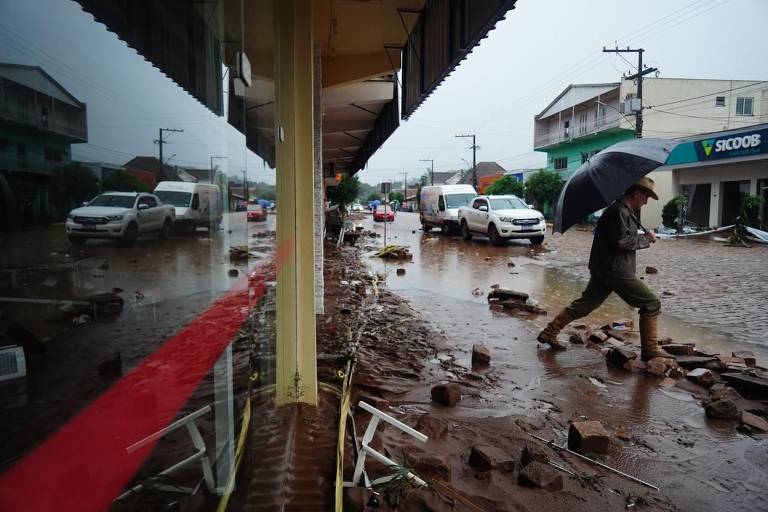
(12, 363)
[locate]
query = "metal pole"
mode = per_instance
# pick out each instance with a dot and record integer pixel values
(224, 419)
(609, 468)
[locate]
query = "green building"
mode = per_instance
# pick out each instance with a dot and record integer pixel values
(39, 121)
(583, 120)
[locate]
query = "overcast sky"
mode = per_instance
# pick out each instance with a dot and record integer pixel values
(545, 45)
(541, 48)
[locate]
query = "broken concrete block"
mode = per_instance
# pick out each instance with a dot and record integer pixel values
(613, 342)
(726, 360)
(485, 458)
(588, 437)
(676, 373)
(693, 362)
(724, 409)
(480, 354)
(578, 338)
(748, 384)
(680, 349)
(618, 357)
(506, 294)
(541, 476)
(754, 422)
(447, 394)
(702, 377)
(531, 453)
(598, 337)
(634, 366)
(747, 356)
(651, 270)
(656, 366)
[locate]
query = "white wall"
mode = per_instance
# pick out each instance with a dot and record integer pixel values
(692, 115)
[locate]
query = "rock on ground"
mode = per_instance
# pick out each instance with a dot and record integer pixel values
(542, 476)
(485, 458)
(447, 394)
(588, 437)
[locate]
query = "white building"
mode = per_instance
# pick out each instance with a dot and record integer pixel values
(585, 119)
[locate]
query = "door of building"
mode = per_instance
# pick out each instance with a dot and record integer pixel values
(733, 191)
(762, 190)
(698, 203)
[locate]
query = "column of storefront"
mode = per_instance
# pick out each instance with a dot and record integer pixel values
(296, 378)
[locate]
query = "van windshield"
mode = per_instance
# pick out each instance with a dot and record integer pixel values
(174, 198)
(458, 200)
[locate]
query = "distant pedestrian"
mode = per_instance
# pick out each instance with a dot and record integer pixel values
(612, 268)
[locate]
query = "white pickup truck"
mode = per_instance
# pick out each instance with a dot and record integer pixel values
(120, 215)
(501, 218)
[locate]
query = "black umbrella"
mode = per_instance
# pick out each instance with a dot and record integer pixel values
(605, 176)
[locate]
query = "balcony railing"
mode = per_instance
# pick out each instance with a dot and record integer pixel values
(53, 125)
(610, 120)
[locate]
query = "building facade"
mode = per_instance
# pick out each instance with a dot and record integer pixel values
(587, 118)
(39, 121)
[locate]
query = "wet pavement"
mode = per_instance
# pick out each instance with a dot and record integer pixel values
(164, 285)
(700, 464)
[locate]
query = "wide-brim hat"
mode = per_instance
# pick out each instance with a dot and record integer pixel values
(647, 184)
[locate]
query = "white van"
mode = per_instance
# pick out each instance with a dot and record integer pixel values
(439, 206)
(196, 204)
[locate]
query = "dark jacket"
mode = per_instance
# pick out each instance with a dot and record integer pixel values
(615, 243)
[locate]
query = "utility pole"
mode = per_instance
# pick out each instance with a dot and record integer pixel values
(474, 157)
(639, 76)
(405, 186)
(161, 141)
(432, 171)
(219, 157)
(245, 185)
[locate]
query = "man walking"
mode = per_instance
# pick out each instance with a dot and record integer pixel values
(612, 269)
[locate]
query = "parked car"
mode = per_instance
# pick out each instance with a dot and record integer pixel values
(384, 213)
(196, 204)
(122, 216)
(502, 218)
(357, 207)
(256, 213)
(439, 206)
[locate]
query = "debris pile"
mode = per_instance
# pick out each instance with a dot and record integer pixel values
(395, 252)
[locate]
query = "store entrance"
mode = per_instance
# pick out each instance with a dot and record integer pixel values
(698, 203)
(733, 191)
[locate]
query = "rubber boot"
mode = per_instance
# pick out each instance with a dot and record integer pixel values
(553, 328)
(649, 347)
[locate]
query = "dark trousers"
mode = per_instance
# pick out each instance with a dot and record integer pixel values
(632, 291)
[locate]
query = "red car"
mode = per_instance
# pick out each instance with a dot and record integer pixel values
(384, 214)
(256, 213)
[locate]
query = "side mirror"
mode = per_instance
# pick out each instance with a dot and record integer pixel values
(530, 206)
(143, 207)
(84, 203)
(483, 208)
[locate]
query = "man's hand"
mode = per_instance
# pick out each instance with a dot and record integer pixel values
(650, 236)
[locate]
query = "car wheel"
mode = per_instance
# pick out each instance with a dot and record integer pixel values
(537, 240)
(446, 229)
(77, 240)
(493, 235)
(466, 234)
(130, 235)
(167, 229)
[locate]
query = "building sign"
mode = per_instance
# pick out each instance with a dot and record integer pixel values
(729, 147)
(732, 145)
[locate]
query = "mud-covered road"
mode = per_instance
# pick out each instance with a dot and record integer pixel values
(699, 464)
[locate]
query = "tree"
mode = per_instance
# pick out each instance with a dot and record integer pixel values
(373, 196)
(345, 192)
(396, 196)
(70, 185)
(671, 212)
(121, 181)
(543, 188)
(506, 185)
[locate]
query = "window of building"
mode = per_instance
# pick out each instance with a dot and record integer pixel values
(561, 163)
(744, 106)
(720, 101)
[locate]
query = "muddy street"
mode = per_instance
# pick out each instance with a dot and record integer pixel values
(163, 285)
(663, 434)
